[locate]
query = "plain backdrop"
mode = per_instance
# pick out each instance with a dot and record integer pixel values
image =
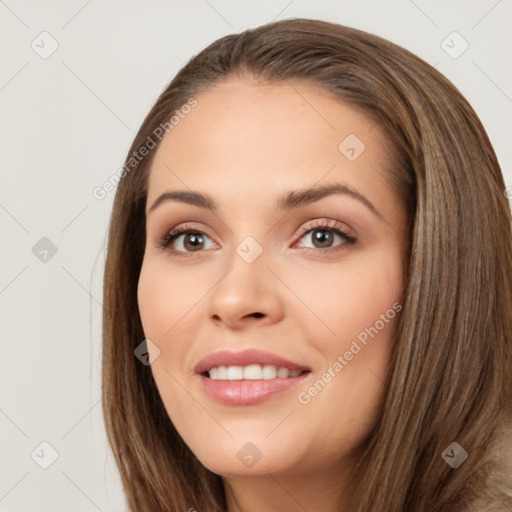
(67, 119)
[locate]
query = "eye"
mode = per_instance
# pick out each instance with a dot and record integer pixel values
(323, 234)
(192, 241)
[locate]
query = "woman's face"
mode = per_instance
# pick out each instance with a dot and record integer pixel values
(279, 266)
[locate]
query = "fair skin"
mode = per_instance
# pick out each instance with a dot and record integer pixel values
(245, 145)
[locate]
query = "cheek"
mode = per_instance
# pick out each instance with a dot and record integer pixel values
(356, 310)
(171, 304)
(164, 298)
(343, 302)
(152, 296)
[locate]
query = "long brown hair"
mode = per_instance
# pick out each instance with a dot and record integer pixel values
(451, 376)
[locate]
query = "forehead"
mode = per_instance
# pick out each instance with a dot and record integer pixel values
(258, 138)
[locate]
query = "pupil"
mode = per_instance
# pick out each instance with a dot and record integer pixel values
(194, 238)
(323, 236)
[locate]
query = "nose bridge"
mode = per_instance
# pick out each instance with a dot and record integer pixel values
(250, 240)
(250, 249)
(248, 272)
(246, 287)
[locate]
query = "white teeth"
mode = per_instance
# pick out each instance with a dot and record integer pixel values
(269, 372)
(283, 373)
(235, 373)
(251, 372)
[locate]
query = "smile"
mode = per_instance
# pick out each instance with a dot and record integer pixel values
(248, 377)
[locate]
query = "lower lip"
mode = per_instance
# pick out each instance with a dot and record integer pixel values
(248, 392)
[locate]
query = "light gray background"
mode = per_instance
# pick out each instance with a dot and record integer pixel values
(66, 124)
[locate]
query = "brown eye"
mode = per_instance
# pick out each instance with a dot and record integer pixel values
(325, 236)
(184, 240)
(193, 241)
(322, 238)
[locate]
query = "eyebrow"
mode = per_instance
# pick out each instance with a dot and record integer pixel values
(290, 200)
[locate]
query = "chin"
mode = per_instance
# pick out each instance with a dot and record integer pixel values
(232, 467)
(244, 458)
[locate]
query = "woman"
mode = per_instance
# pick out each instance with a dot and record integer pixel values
(342, 338)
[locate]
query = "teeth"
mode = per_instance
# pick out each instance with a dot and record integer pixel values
(251, 372)
(269, 372)
(222, 372)
(283, 373)
(234, 373)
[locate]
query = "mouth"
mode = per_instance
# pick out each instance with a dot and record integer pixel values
(248, 377)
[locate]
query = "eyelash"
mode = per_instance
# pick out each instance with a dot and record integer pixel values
(337, 228)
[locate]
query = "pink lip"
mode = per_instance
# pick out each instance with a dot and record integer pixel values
(247, 392)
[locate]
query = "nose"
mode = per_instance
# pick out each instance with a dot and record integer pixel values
(247, 294)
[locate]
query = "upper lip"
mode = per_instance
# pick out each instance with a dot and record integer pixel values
(245, 358)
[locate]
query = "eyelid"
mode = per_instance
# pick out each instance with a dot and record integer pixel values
(323, 222)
